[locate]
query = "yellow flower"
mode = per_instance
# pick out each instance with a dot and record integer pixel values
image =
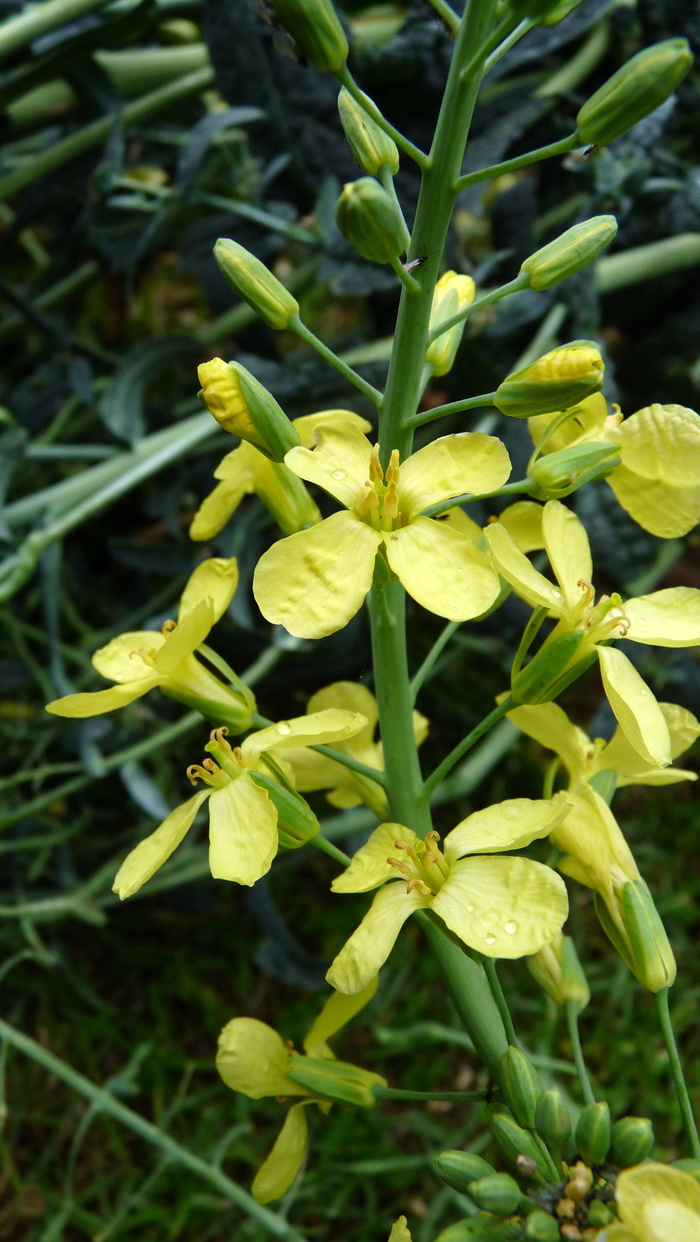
(254, 1060)
(315, 581)
(246, 470)
(139, 661)
(244, 820)
(659, 446)
(584, 758)
(347, 788)
(668, 618)
(502, 907)
(656, 1203)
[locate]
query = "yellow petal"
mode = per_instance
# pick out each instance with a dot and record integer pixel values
(400, 1231)
(216, 508)
(278, 1171)
(354, 698)
(662, 442)
(669, 618)
(119, 660)
(663, 509)
(340, 463)
(441, 569)
(592, 836)
(502, 907)
(313, 771)
(369, 866)
(513, 565)
(214, 578)
(664, 1219)
(188, 634)
(509, 825)
(253, 1059)
(549, 725)
(307, 424)
(451, 466)
(620, 756)
(683, 727)
(586, 422)
(243, 836)
(313, 582)
(523, 521)
(370, 945)
(153, 851)
(568, 549)
(635, 707)
(314, 729)
(337, 1011)
(645, 1184)
(80, 706)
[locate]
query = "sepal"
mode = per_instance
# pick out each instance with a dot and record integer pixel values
(335, 1080)
(556, 381)
(634, 91)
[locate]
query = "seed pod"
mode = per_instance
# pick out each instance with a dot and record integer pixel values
(541, 1227)
(521, 1085)
(296, 822)
(593, 1133)
(651, 954)
(556, 381)
(335, 1080)
(570, 253)
(371, 220)
(632, 1141)
(255, 284)
(561, 473)
(316, 27)
(460, 1168)
(514, 1142)
(372, 147)
(241, 405)
(552, 1120)
(633, 92)
(498, 1193)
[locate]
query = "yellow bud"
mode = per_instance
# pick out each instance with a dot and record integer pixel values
(559, 973)
(556, 381)
(255, 284)
(634, 91)
(453, 293)
(570, 253)
(372, 148)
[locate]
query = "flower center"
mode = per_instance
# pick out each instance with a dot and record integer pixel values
(603, 621)
(379, 503)
(423, 864)
(229, 763)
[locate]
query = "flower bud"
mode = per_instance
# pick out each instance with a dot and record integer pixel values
(497, 1193)
(651, 955)
(514, 1143)
(561, 473)
(372, 148)
(559, 12)
(335, 1080)
(460, 1168)
(254, 283)
(241, 405)
(599, 1214)
(296, 822)
(556, 381)
(633, 92)
(370, 219)
(632, 1141)
(316, 27)
(453, 293)
(593, 1133)
(521, 1085)
(541, 1227)
(540, 680)
(558, 971)
(570, 253)
(552, 1120)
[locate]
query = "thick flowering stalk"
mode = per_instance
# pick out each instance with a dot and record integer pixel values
(254, 1060)
(314, 582)
(501, 907)
(668, 618)
(142, 660)
(244, 818)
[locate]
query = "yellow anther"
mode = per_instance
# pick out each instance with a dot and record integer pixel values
(167, 627)
(376, 473)
(588, 590)
(432, 837)
(238, 755)
(219, 736)
(390, 508)
(392, 470)
(400, 866)
(368, 500)
(143, 654)
(196, 773)
(210, 765)
(422, 888)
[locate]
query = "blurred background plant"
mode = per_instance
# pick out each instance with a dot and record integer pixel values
(134, 134)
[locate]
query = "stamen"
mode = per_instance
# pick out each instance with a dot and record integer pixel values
(368, 500)
(210, 765)
(400, 866)
(390, 508)
(588, 590)
(375, 469)
(217, 735)
(167, 627)
(144, 655)
(432, 837)
(422, 888)
(392, 470)
(196, 773)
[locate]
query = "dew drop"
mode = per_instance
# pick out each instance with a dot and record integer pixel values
(643, 691)
(339, 474)
(512, 812)
(510, 927)
(284, 728)
(471, 909)
(490, 938)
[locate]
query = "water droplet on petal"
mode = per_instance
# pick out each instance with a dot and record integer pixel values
(643, 691)
(284, 728)
(490, 938)
(510, 927)
(339, 474)
(471, 909)
(512, 812)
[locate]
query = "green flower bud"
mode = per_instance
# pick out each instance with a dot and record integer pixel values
(371, 220)
(521, 1086)
(516, 1144)
(541, 1227)
(651, 955)
(296, 822)
(316, 27)
(497, 1193)
(335, 1080)
(460, 1168)
(570, 253)
(632, 1141)
(593, 1133)
(556, 381)
(552, 1120)
(599, 1214)
(634, 91)
(561, 473)
(558, 971)
(539, 681)
(372, 148)
(241, 405)
(559, 12)
(255, 284)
